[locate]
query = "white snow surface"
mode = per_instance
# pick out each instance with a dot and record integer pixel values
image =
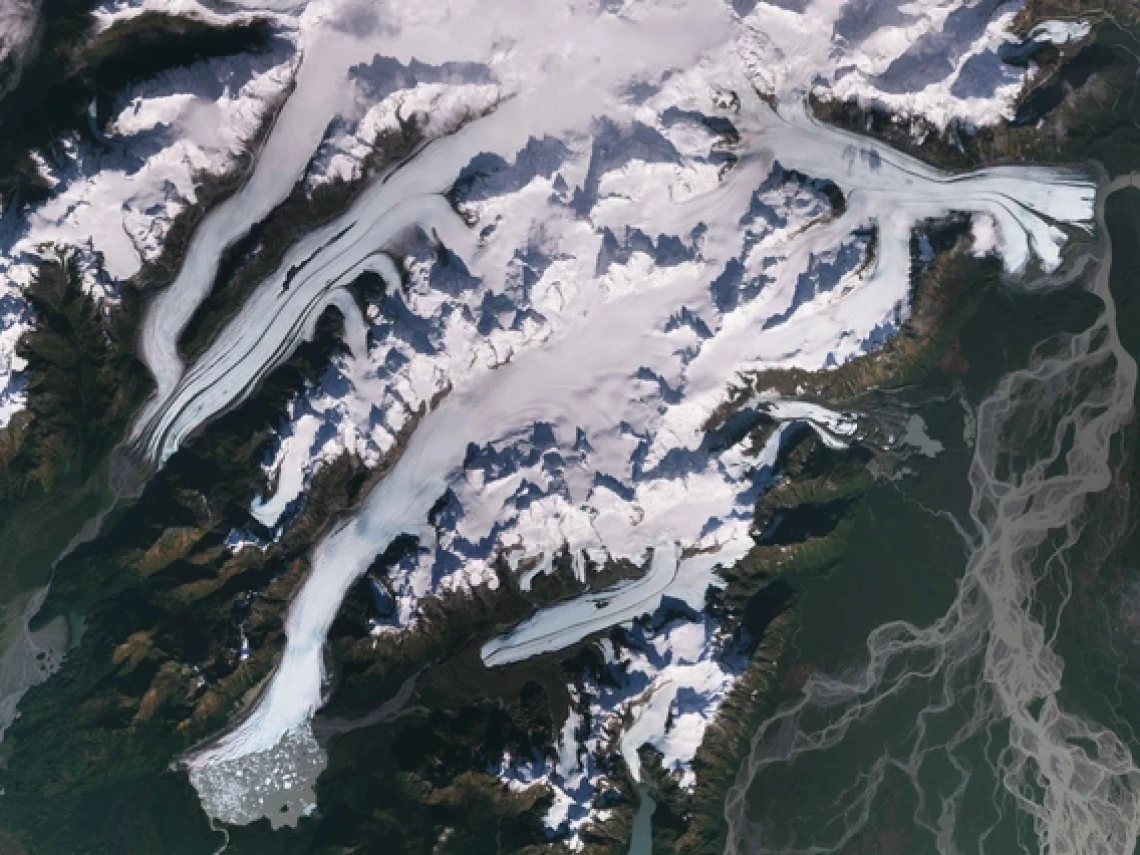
(667, 675)
(638, 227)
(938, 60)
(635, 233)
(1061, 32)
(884, 55)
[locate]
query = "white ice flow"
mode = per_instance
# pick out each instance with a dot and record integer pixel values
(939, 59)
(576, 395)
(317, 97)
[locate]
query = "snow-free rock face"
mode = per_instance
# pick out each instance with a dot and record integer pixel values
(617, 209)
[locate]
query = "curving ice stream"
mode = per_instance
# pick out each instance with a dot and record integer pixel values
(572, 380)
(577, 374)
(884, 188)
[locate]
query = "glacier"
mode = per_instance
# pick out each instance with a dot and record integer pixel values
(573, 383)
(598, 235)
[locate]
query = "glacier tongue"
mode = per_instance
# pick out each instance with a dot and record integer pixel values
(315, 100)
(936, 59)
(630, 256)
(579, 275)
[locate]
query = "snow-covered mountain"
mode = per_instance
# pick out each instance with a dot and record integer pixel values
(615, 212)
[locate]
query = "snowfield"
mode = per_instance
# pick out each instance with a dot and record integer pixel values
(601, 232)
(595, 278)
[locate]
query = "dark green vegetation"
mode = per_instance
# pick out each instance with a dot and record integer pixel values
(165, 602)
(400, 786)
(84, 381)
(873, 577)
(945, 295)
(164, 605)
(901, 561)
(804, 526)
(1104, 646)
(453, 628)
(961, 322)
(805, 523)
(83, 384)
